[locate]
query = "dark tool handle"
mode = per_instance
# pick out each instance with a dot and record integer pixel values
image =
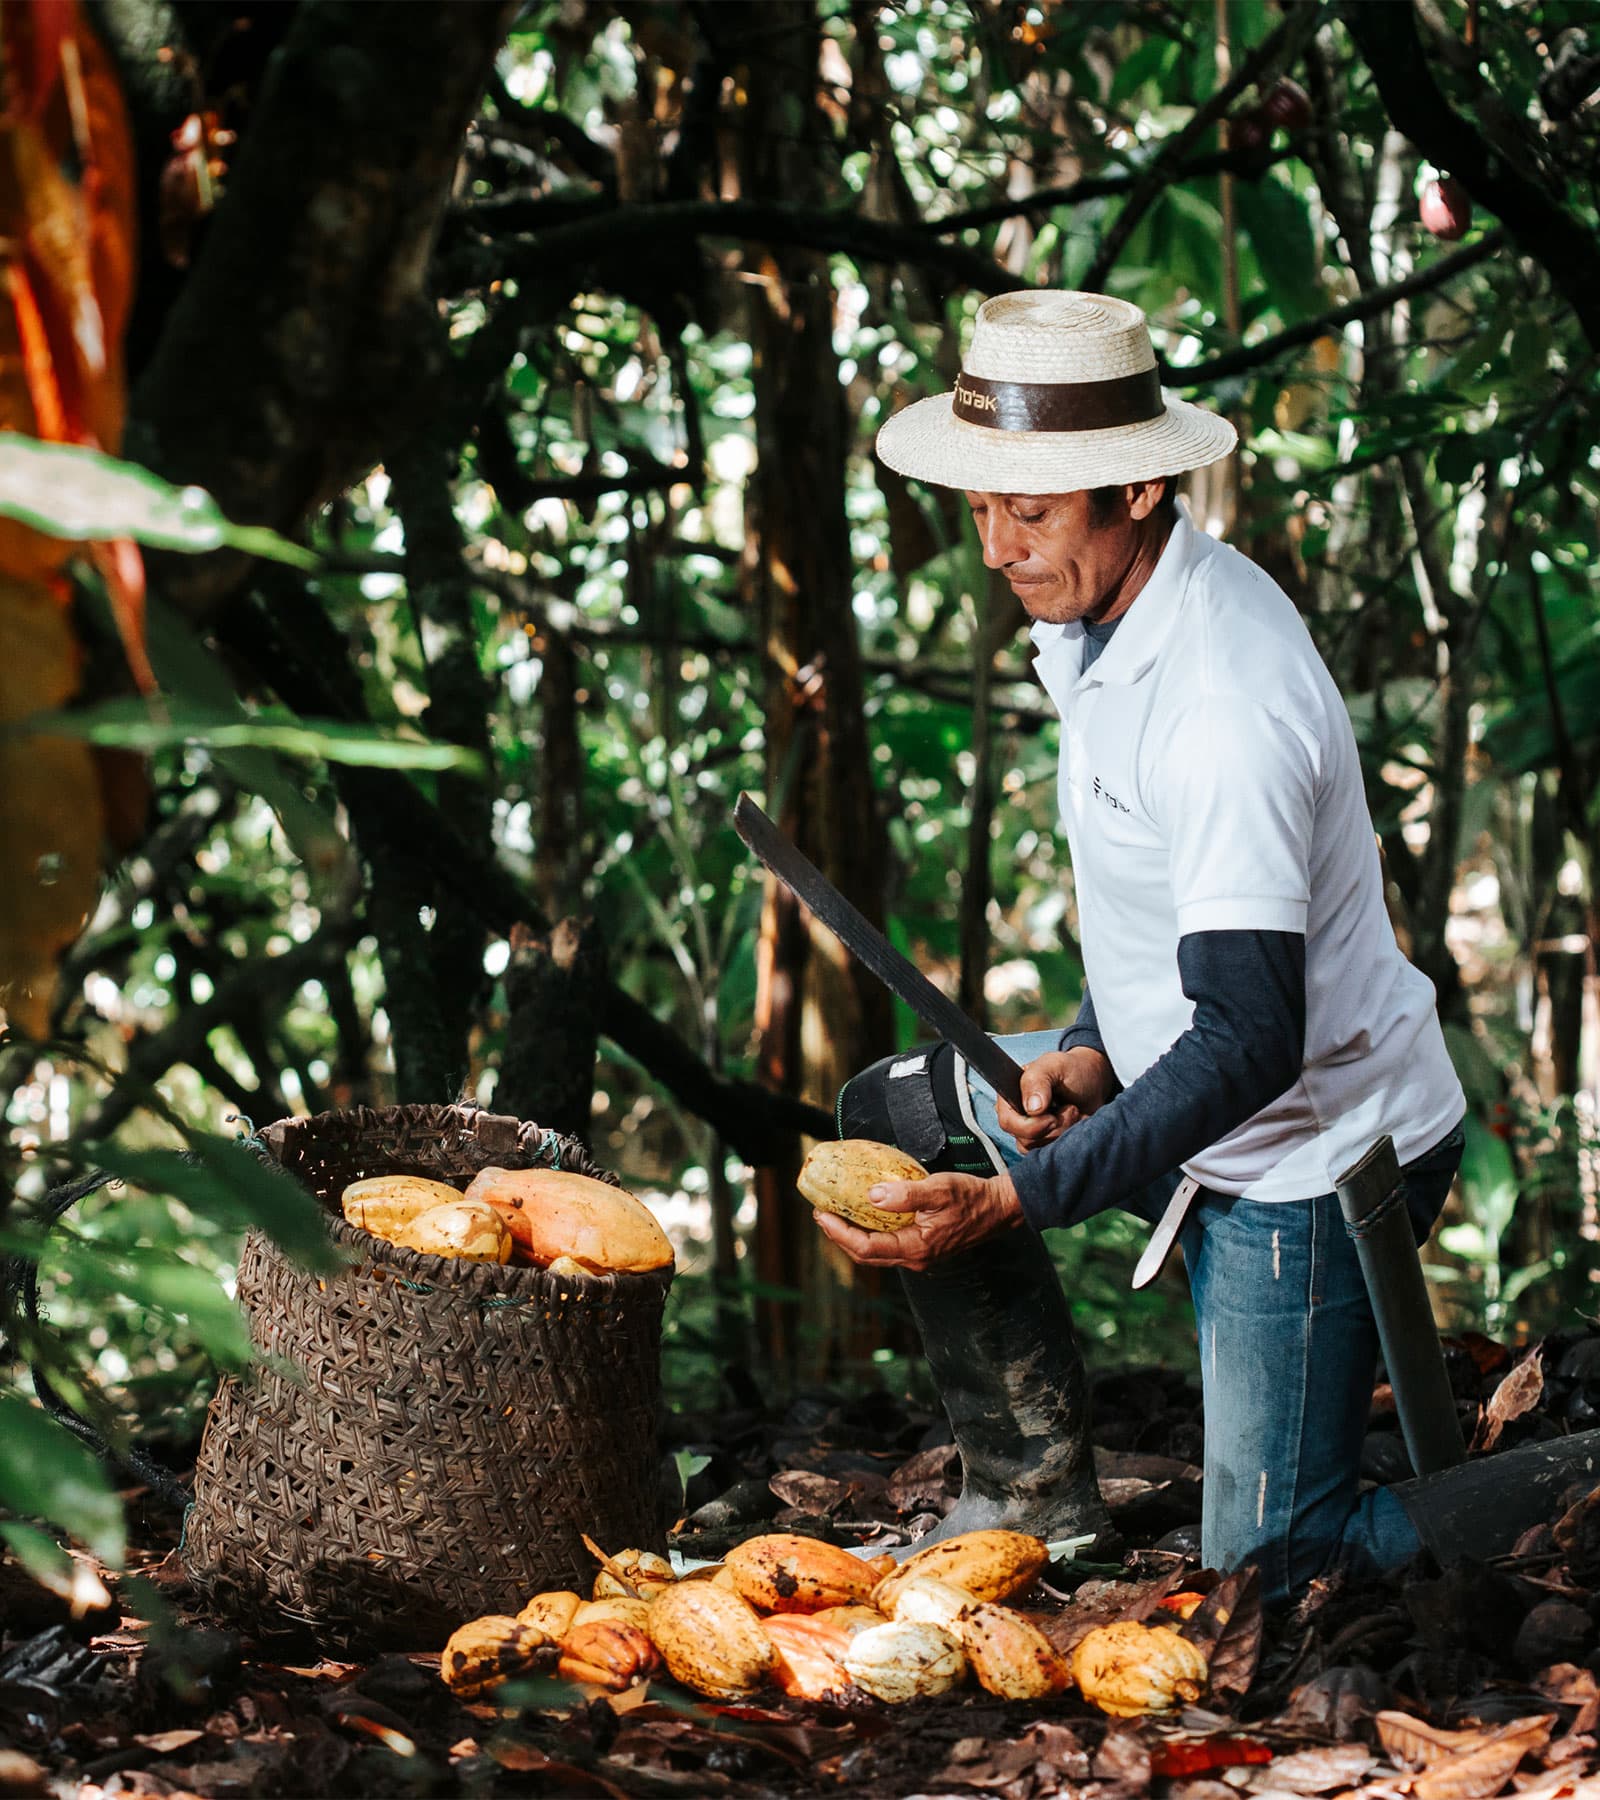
(873, 950)
(1372, 1196)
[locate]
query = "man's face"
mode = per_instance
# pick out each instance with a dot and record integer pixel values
(1064, 563)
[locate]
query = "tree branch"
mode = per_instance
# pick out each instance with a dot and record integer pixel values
(621, 236)
(307, 307)
(1165, 167)
(1380, 300)
(1387, 37)
(1251, 165)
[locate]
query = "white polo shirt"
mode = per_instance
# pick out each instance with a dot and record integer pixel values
(1210, 782)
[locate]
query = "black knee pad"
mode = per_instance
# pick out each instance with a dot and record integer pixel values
(919, 1102)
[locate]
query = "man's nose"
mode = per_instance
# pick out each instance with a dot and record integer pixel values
(1000, 540)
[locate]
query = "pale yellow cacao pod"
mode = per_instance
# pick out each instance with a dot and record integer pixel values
(488, 1651)
(902, 1661)
(712, 1640)
(385, 1204)
(637, 1572)
(552, 1214)
(608, 1655)
(782, 1572)
(835, 1178)
(1010, 1657)
(926, 1600)
(464, 1230)
(615, 1609)
(990, 1565)
(1129, 1668)
(552, 1613)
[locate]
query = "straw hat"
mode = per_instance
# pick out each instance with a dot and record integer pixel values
(1059, 391)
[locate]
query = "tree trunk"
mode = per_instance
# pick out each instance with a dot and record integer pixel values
(820, 1018)
(554, 986)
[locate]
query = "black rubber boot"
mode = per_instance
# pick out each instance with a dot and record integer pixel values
(1479, 1509)
(998, 1336)
(995, 1325)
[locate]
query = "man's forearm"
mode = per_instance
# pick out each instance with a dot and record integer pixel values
(1245, 1047)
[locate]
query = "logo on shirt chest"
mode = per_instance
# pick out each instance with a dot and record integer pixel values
(1102, 792)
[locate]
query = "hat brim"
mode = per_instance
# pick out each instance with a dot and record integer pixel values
(928, 443)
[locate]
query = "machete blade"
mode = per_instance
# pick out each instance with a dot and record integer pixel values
(873, 950)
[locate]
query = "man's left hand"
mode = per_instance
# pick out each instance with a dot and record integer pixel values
(946, 1213)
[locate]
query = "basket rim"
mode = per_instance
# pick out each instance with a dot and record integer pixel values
(424, 1269)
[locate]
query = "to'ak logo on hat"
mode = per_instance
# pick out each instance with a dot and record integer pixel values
(970, 398)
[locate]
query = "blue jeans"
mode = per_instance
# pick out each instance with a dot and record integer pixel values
(1288, 1347)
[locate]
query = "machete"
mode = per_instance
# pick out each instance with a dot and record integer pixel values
(873, 950)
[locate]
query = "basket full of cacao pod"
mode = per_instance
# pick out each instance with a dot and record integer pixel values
(428, 1434)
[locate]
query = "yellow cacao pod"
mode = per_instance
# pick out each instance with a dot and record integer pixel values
(552, 1613)
(902, 1661)
(607, 1655)
(835, 1179)
(810, 1663)
(712, 1640)
(553, 1214)
(567, 1269)
(990, 1565)
(634, 1572)
(1010, 1657)
(781, 1572)
(614, 1609)
(464, 1230)
(385, 1204)
(1129, 1668)
(926, 1600)
(488, 1651)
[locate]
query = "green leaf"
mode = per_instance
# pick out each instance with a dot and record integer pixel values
(69, 492)
(147, 725)
(1488, 1181)
(688, 1466)
(163, 1283)
(192, 675)
(47, 1474)
(44, 1559)
(222, 1180)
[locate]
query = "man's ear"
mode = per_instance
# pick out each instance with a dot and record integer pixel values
(1145, 496)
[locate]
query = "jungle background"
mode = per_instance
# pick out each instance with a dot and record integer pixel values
(551, 341)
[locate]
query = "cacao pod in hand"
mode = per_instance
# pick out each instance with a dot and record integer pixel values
(836, 1178)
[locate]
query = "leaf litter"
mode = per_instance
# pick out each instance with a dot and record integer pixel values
(1423, 1685)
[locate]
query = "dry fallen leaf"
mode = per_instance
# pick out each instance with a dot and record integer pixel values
(1517, 1394)
(1318, 1770)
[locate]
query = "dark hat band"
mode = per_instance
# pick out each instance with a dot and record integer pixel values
(1058, 405)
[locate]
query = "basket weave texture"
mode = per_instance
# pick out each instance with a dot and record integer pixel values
(448, 1429)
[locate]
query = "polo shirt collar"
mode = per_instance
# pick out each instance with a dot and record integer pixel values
(1140, 633)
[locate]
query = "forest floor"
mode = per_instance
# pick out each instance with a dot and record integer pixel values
(1454, 1685)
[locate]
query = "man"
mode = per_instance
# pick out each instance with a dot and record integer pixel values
(1247, 1015)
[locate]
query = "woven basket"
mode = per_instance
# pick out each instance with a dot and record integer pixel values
(433, 1436)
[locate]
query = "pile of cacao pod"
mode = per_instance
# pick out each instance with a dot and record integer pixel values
(569, 1224)
(813, 1620)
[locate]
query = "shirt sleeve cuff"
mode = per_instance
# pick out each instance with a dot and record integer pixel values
(1035, 1191)
(1258, 912)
